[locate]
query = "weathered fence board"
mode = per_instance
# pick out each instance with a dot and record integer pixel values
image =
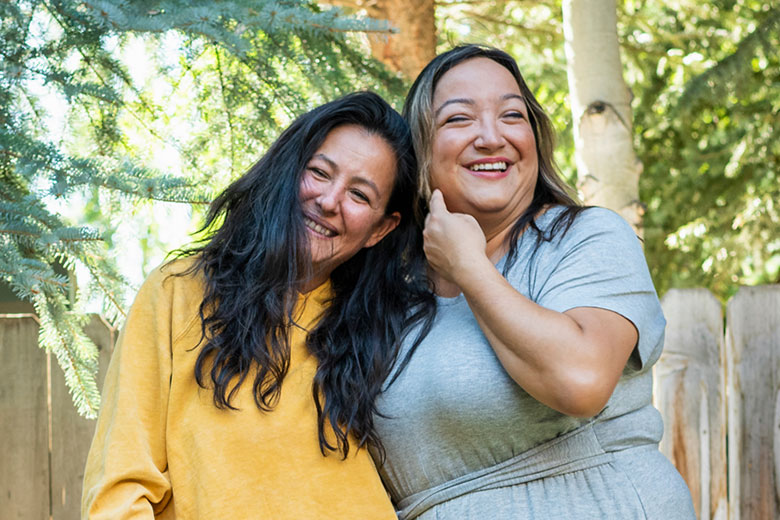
(690, 393)
(71, 433)
(24, 422)
(753, 350)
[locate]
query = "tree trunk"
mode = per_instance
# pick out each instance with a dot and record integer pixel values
(607, 167)
(409, 50)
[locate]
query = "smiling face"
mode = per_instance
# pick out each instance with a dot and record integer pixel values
(483, 156)
(344, 191)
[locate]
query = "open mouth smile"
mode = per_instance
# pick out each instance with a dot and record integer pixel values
(499, 166)
(317, 228)
(492, 168)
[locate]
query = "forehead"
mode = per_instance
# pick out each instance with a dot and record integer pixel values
(473, 79)
(355, 151)
(354, 140)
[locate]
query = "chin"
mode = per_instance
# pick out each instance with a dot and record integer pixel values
(488, 206)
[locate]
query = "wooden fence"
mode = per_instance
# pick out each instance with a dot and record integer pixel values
(717, 388)
(43, 441)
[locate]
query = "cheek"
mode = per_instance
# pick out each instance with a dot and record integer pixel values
(307, 188)
(439, 165)
(365, 223)
(436, 176)
(445, 153)
(527, 141)
(356, 221)
(442, 149)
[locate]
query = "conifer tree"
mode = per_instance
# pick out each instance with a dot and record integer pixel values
(69, 47)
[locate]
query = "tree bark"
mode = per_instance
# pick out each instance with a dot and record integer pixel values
(607, 166)
(409, 50)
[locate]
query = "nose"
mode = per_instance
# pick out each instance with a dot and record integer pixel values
(489, 137)
(328, 199)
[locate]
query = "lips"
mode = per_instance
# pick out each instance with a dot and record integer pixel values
(318, 227)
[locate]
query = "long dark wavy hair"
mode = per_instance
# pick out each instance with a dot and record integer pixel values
(550, 186)
(255, 260)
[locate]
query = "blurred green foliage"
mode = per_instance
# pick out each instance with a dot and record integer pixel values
(705, 77)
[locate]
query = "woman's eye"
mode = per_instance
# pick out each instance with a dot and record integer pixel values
(318, 173)
(359, 195)
(455, 119)
(515, 114)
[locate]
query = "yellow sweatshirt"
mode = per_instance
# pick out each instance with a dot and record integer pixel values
(162, 449)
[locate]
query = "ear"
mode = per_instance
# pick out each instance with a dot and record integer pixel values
(385, 226)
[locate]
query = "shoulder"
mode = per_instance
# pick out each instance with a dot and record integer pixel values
(574, 225)
(600, 219)
(174, 286)
(575, 238)
(177, 274)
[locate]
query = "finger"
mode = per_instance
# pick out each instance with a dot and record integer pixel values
(437, 203)
(427, 221)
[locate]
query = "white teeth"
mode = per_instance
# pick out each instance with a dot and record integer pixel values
(316, 227)
(500, 166)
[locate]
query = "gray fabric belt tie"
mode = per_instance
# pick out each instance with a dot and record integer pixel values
(573, 451)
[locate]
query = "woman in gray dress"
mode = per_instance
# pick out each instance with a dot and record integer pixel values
(530, 397)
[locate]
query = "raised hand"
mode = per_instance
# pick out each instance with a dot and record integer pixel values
(453, 242)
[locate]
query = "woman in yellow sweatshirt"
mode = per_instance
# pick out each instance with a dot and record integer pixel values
(243, 383)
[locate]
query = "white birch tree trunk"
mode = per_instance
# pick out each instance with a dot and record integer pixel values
(607, 167)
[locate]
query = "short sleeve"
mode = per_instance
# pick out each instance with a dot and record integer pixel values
(599, 262)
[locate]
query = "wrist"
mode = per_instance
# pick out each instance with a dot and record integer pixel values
(472, 274)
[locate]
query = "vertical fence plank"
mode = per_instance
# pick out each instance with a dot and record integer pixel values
(71, 433)
(690, 393)
(24, 428)
(753, 367)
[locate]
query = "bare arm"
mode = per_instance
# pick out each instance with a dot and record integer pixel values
(569, 361)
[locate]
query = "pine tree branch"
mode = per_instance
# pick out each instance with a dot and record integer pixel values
(59, 79)
(508, 23)
(279, 97)
(89, 63)
(199, 24)
(228, 113)
(187, 70)
(492, 3)
(346, 31)
(41, 279)
(94, 180)
(62, 348)
(97, 278)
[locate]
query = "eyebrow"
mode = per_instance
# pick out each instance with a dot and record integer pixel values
(469, 101)
(462, 101)
(327, 159)
(358, 179)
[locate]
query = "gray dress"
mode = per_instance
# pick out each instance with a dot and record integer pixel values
(464, 441)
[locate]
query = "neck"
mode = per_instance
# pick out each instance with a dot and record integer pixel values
(496, 234)
(314, 281)
(497, 244)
